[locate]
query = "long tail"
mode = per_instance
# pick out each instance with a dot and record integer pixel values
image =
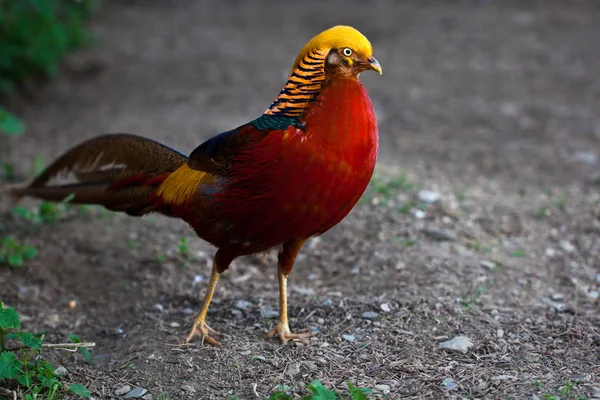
(118, 171)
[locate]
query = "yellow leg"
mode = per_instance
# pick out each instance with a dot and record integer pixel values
(286, 262)
(200, 328)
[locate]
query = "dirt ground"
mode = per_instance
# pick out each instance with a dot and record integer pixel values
(492, 105)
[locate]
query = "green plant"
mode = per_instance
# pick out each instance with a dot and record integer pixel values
(36, 35)
(320, 392)
(183, 247)
(30, 375)
(15, 254)
(10, 124)
(46, 212)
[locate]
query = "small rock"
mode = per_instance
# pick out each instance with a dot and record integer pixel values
(400, 265)
(60, 371)
(269, 313)
(449, 384)
(158, 307)
(383, 388)
(385, 307)
(440, 234)
(586, 157)
(567, 246)
(242, 304)
(174, 324)
(487, 264)
(349, 338)
(458, 343)
(557, 296)
(122, 390)
(147, 396)
(500, 333)
(597, 278)
(418, 214)
(427, 196)
(327, 303)
(502, 378)
(369, 315)
(550, 252)
(198, 278)
(310, 365)
(293, 369)
(593, 295)
(188, 388)
(135, 393)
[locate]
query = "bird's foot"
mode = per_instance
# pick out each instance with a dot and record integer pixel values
(201, 329)
(285, 335)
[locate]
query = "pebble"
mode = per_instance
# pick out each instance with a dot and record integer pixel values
(593, 295)
(293, 369)
(383, 388)
(567, 246)
(269, 313)
(327, 303)
(369, 315)
(418, 214)
(449, 384)
(597, 278)
(586, 157)
(502, 378)
(135, 393)
(550, 252)
(558, 296)
(458, 343)
(242, 304)
(500, 333)
(158, 307)
(188, 388)
(440, 234)
(122, 390)
(147, 396)
(349, 338)
(60, 371)
(385, 307)
(427, 196)
(487, 264)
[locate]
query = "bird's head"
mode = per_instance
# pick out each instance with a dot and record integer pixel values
(347, 52)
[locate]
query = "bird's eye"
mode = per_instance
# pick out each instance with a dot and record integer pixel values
(347, 52)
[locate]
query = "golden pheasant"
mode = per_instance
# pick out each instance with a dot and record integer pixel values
(291, 174)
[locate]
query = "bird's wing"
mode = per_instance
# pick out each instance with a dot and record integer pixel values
(209, 165)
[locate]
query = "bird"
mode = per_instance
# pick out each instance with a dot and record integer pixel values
(271, 184)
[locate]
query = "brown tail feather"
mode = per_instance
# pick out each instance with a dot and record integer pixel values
(99, 163)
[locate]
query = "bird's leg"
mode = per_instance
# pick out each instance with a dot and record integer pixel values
(287, 256)
(200, 328)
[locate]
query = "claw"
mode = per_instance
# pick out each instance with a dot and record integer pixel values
(201, 329)
(285, 335)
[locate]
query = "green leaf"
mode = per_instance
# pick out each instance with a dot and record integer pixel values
(9, 318)
(320, 392)
(29, 252)
(9, 365)
(358, 393)
(80, 390)
(85, 352)
(15, 260)
(10, 124)
(29, 340)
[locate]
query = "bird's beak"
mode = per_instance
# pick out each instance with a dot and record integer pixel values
(374, 65)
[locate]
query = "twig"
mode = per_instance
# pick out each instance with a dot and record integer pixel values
(64, 346)
(9, 392)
